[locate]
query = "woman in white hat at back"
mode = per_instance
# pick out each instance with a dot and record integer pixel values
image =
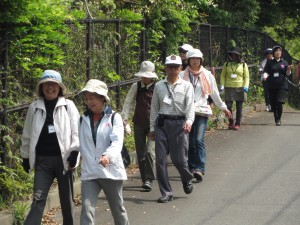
(101, 135)
(204, 85)
(139, 99)
(50, 146)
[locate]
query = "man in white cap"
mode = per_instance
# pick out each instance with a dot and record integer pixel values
(171, 118)
(183, 49)
(139, 99)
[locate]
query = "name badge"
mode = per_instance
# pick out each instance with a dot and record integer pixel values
(234, 76)
(168, 100)
(51, 129)
(276, 74)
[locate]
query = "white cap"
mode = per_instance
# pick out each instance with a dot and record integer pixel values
(146, 70)
(96, 86)
(194, 53)
(186, 47)
(173, 59)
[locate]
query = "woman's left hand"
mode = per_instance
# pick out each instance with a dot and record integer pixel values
(104, 160)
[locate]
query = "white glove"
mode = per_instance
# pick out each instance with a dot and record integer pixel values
(127, 129)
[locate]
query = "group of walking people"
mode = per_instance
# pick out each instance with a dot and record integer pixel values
(170, 117)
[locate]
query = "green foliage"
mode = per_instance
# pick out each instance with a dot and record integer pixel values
(19, 212)
(16, 184)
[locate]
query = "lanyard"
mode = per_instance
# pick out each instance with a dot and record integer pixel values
(172, 90)
(194, 81)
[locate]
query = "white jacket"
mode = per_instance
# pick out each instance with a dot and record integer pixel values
(66, 118)
(109, 141)
(202, 100)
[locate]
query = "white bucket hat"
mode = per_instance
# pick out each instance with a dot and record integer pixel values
(50, 76)
(194, 53)
(173, 59)
(146, 70)
(96, 86)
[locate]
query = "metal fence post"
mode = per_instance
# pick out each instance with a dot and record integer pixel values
(117, 50)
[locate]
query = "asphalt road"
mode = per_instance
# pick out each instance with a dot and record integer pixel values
(252, 178)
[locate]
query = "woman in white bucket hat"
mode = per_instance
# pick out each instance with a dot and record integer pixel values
(204, 85)
(138, 100)
(101, 135)
(50, 146)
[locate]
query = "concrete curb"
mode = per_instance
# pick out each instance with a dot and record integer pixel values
(53, 197)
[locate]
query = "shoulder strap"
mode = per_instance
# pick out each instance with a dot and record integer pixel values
(139, 89)
(112, 118)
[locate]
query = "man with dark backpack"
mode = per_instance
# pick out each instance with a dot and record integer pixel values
(139, 99)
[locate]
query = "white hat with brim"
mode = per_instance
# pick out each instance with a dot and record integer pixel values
(50, 76)
(96, 86)
(174, 60)
(146, 70)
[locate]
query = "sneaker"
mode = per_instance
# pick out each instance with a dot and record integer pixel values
(278, 123)
(147, 185)
(188, 187)
(198, 175)
(236, 127)
(165, 199)
(267, 108)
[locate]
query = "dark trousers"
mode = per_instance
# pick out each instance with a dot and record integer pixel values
(239, 110)
(277, 98)
(145, 151)
(46, 169)
(170, 138)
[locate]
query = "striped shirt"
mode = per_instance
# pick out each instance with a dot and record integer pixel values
(172, 99)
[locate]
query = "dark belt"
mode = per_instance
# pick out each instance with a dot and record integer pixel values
(171, 117)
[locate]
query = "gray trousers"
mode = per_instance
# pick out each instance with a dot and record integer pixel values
(90, 190)
(170, 138)
(46, 169)
(145, 151)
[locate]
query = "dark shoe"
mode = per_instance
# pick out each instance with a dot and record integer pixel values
(165, 199)
(147, 185)
(198, 175)
(188, 187)
(236, 127)
(230, 125)
(278, 123)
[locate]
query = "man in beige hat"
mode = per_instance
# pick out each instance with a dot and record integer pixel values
(139, 99)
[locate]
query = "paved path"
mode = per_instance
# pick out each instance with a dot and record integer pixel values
(253, 178)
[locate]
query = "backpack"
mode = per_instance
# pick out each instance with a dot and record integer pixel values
(124, 152)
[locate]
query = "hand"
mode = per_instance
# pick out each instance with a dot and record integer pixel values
(127, 129)
(152, 136)
(221, 88)
(72, 159)
(289, 69)
(104, 160)
(187, 127)
(26, 165)
(246, 89)
(227, 113)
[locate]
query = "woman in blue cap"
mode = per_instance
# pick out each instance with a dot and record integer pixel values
(50, 146)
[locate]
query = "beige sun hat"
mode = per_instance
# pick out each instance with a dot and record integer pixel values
(146, 70)
(50, 76)
(96, 86)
